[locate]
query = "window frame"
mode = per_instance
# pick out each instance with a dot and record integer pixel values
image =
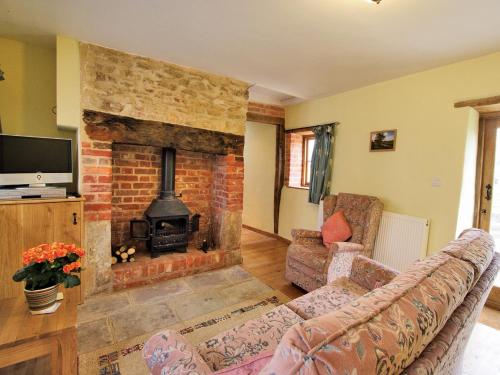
(305, 151)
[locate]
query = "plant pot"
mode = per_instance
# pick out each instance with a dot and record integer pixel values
(41, 298)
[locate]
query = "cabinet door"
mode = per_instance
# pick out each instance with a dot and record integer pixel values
(67, 222)
(11, 249)
(68, 229)
(37, 225)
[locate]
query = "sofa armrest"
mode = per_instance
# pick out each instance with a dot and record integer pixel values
(371, 274)
(169, 351)
(304, 236)
(340, 258)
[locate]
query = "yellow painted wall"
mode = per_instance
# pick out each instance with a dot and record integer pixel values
(68, 83)
(28, 94)
(432, 141)
(258, 195)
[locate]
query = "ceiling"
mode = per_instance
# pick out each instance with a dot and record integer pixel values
(289, 49)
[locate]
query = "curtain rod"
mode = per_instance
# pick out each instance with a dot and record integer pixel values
(296, 130)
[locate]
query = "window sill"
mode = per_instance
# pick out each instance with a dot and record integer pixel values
(298, 187)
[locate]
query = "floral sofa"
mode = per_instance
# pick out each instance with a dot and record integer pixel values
(309, 262)
(373, 322)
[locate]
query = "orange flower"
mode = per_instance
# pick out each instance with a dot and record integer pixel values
(50, 252)
(72, 266)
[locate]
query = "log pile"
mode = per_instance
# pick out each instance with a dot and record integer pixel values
(123, 255)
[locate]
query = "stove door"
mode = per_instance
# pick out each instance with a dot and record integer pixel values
(140, 229)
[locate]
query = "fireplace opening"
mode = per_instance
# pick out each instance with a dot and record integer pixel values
(167, 221)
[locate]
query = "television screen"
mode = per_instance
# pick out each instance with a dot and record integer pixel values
(20, 154)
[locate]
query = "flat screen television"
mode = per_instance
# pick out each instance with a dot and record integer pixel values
(34, 161)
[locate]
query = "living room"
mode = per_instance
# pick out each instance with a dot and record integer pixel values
(242, 196)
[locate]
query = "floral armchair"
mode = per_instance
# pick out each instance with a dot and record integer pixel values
(310, 265)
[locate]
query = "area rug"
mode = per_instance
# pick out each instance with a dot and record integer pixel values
(125, 357)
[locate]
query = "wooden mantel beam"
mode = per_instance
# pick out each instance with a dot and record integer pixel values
(102, 126)
(265, 119)
(484, 105)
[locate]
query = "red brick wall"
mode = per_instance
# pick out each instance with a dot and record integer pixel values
(136, 182)
(266, 109)
(293, 159)
(96, 180)
(228, 182)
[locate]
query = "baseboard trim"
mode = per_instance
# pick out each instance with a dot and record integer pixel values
(268, 234)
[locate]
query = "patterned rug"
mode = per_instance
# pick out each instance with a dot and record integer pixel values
(125, 358)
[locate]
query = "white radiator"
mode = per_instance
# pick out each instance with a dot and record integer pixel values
(401, 240)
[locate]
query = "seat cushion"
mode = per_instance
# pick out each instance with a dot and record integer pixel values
(327, 298)
(313, 256)
(252, 338)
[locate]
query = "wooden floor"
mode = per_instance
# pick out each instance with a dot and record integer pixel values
(264, 257)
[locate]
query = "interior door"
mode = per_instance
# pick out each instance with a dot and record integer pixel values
(488, 185)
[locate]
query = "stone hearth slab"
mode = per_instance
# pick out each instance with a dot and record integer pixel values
(93, 335)
(160, 290)
(101, 305)
(137, 320)
(200, 303)
(243, 291)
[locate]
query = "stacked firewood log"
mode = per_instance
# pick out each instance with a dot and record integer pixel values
(123, 255)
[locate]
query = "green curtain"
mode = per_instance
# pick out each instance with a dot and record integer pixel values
(321, 162)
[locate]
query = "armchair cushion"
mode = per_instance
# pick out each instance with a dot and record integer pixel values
(336, 229)
(326, 299)
(313, 256)
(170, 350)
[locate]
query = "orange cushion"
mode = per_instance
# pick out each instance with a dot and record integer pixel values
(336, 229)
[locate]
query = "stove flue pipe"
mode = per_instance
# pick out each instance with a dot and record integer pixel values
(167, 173)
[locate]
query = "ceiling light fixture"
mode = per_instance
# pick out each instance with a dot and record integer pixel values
(376, 1)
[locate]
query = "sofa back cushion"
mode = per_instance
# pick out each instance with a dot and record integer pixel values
(474, 246)
(382, 331)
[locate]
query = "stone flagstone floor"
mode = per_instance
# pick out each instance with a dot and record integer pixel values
(111, 318)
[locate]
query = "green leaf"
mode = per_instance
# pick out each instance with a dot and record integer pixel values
(72, 257)
(71, 281)
(20, 274)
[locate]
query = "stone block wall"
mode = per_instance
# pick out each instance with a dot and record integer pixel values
(143, 88)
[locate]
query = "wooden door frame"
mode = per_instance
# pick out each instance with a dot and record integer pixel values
(480, 164)
(279, 173)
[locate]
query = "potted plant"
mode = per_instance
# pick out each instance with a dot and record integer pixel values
(45, 267)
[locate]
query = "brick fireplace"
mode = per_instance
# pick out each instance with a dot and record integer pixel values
(122, 177)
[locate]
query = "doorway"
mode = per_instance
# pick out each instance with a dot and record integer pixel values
(259, 182)
(488, 187)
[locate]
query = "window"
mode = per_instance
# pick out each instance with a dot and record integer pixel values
(299, 149)
(307, 151)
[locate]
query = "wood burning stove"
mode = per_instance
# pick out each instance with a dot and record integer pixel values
(167, 221)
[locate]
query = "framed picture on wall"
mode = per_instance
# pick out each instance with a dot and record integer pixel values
(383, 140)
